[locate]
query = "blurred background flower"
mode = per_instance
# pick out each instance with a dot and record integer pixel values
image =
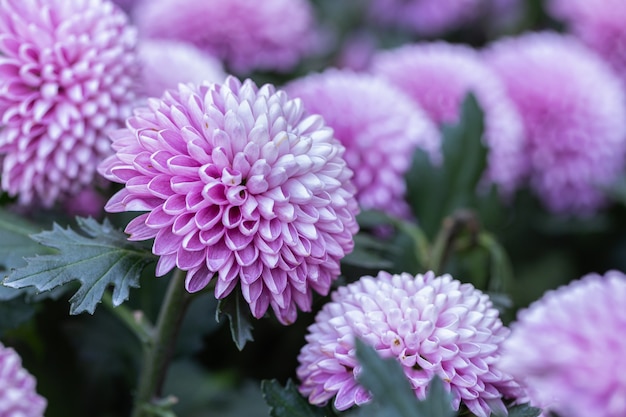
(437, 76)
(567, 348)
(273, 35)
(67, 73)
(18, 395)
(379, 126)
(574, 113)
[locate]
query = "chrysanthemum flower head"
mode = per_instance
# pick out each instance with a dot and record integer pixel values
(438, 76)
(432, 325)
(241, 183)
(425, 17)
(599, 24)
(574, 113)
(66, 76)
(246, 35)
(166, 63)
(379, 126)
(568, 348)
(18, 397)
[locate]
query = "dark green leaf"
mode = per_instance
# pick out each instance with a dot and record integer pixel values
(98, 258)
(239, 318)
(13, 313)
(288, 402)
(524, 410)
(391, 389)
(367, 253)
(15, 240)
(436, 191)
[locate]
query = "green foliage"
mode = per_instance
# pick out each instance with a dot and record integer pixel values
(435, 191)
(239, 318)
(392, 394)
(288, 402)
(98, 257)
(524, 410)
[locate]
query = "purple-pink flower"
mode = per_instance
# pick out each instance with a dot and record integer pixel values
(599, 24)
(568, 348)
(246, 35)
(379, 126)
(574, 113)
(243, 188)
(438, 76)
(66, 77)
(166, 63)
(432, 325)
(18, 397)
(425, 17)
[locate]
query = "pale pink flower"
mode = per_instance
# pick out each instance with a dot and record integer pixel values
(568, 348)
(66, 79)
(438, 76)
(246, 35)
(432, 325)
(165, 64)
(242, 188)
(600, 24)
(18, 395)
(574, 113)
(380, 128)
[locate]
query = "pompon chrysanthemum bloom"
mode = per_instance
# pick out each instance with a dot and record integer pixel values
(166, 63)
(438, 75)
(246, 35)
(379, 126)
(432, 325)
(66, 79)
(18, 397)
(425, 17)
(241, 183)
(599, 24)
(568, 348)
(574, 113)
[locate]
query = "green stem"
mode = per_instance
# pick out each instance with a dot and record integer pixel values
(452, 227)
(156, 360)
(135, 320)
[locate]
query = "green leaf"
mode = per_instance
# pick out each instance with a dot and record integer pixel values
(390, 388)
(98, 258)
(15, 241)
(288, 402)
(238, 316)
(524, 410)
(13, 313)
(436, 191)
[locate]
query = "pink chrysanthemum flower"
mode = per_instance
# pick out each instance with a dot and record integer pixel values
(246, 35)
(239, 183)
(379, 126)
(66, 77)
(166, 63)
(438, 76)
(568, 348)
(600, 24)
(18, 397)
(574, 114)
(432, 325)
(425, 17)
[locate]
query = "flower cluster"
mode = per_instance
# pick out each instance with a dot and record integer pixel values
(239, 183)
(432, 325)
(268, 35)
(573, 108)
(66, 75)
(380, 128)
(18, 397)
(568, 348)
